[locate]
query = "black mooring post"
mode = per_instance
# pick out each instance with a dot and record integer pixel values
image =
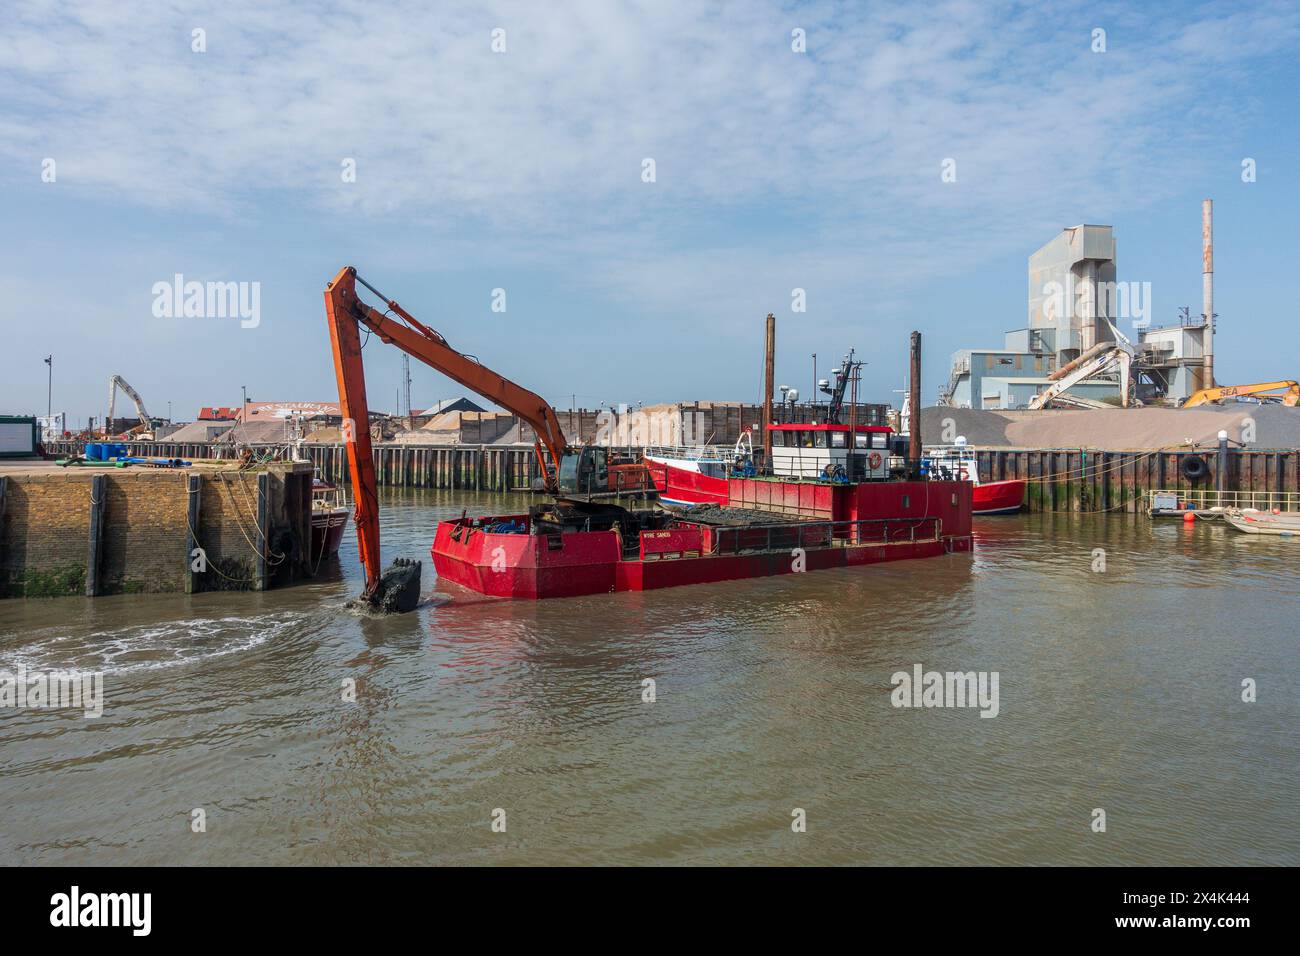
(4, 489)
(263, 522)
(193, 485)
(98, 484)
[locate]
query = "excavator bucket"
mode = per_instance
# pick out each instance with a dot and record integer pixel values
(398, 588)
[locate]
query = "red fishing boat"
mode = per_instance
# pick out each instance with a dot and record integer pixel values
(828, 451)
(689, 480)
(957, 462)
(998, 497)
(697, 476)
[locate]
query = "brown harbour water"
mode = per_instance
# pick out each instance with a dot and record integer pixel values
(1118, 690)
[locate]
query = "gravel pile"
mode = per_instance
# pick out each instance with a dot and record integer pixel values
(1116, 429)
(1276, 426)
(982, 429)
(199, 431)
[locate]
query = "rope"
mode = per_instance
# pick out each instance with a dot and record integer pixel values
(323, 539)
(239, 522)
(1099, 473)
(1104, 472)
(1097, 511)
(279, 558)
(1112, 467)
(252, 509)
(211, 566)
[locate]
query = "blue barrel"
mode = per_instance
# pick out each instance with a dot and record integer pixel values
(105, 451)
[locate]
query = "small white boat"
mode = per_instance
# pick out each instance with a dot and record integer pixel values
(1264, 522)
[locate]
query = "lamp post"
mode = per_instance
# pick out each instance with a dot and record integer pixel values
(49, 394)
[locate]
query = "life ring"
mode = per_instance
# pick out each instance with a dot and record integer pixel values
(874, 460)
(1194, 468)
(962, 475)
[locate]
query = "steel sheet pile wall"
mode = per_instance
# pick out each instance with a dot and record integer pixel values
(1088, 480)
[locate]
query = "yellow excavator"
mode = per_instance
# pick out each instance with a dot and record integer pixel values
(1264, 391)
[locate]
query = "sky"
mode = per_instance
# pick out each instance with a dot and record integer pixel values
(452, 150)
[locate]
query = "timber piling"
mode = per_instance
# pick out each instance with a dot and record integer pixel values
(1084, 480)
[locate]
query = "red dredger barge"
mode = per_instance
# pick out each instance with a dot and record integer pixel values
(753, 527)
(596, 550)
(581, 542)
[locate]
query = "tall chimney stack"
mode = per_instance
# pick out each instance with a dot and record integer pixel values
(1207, 290)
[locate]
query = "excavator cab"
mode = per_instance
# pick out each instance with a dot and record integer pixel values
(585, 471)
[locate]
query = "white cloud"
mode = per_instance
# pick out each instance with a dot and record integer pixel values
(774, 168)
(555, 129)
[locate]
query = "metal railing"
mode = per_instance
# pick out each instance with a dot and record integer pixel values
(692, 452)
(1205, 498)
(825, 534)
(863, 413)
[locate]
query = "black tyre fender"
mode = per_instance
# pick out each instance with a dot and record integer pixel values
(1194, 468)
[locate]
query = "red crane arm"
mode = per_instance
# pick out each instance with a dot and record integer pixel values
(346, 312)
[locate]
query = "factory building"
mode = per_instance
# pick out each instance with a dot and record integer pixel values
(1075, 306)
(1071, 289)
(1172, 358)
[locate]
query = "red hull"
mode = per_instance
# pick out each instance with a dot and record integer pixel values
(682, 487)
(998, 498)
(523, 566)
(678, 486)
(327, 533)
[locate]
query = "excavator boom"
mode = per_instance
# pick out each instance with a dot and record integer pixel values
(114, 383)
(1290, 393)
(347, 313)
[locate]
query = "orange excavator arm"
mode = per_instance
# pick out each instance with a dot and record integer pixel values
(1290, 393)
(396, 326)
